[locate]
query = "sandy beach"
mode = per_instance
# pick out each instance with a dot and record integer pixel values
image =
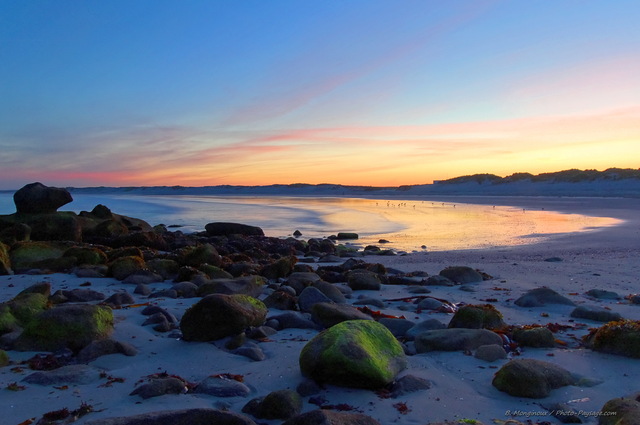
(461, 388)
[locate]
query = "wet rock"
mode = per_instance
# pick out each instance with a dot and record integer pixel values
(72, 374)
(540, 297)
(398, 327)
(364, 280)
(408, 384)
(199, 416)
(461, 274)
(195, 256)
(293, 319)
(601, 294)
(531, 378)
(311, 296)
(123, 267)
(455, 339)
(247, 285)
(219, 315)
(597, 314)
(355, 353)
(426, 325)
(281, 300)
(429, 304)
(119, 299)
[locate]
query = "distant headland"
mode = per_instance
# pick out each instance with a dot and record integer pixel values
(612, 182)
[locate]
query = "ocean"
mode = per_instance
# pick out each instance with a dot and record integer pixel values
(408, 225)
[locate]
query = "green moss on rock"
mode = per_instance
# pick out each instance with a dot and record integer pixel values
(355, 353)
(5, 261)
(122, 267)
(479, 316)
(86, 255)
(28, 255)
(621, 337)
(4, 358)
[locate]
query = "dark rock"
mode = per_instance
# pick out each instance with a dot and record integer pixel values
(311, 296)
(329, 314)
(123, 267)
(218, 386)
(195, 256)
(531, 378)
(455, 339)
(597, 314)
(490, 353)
(160, 386)
(331, 291)
(280, 268)
(281, 404)
(142, 289)
(11, 233)
(347, 235)
(408, 384)
(398, 327)
(553, 260)
(300, 280)
(281, 300)
(36, 198)
(534, 337)
(81, 295)
(247, 285)
(28, 255)
(200, 416)
(461, 274)
(540, 297)
(364, 280)
(355, 353)
(5, 260)
(223, 229)
(481, 316)
(601, 294)
(164, 293)
(374, 302)
(295, 320)
(86, 255)
(251, 351)
(620, 411)
(217, 316)
(103, 347)
(165, 267)
(119, 299)
(430, 304)
(329, 417)
(426, 325)
(438, 280)
(186, 289)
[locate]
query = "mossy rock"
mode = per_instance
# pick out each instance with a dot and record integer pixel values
(214, 272)
(479, 316)
(123, 267)
(461, 274)
(531, 378)
(534, 337)
(129, 251)
(194, 256)
(165, 267)
(251, 285)
(8, 322)
(5, 261)
(355, 353)
(28, 255)
(25, 307)
(57, 226)
(4, 358)
(217, 316)
(621, 337)
(280, 268)
(68, 326)
(86, 255)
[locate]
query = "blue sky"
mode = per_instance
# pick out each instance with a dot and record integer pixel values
(355, 92)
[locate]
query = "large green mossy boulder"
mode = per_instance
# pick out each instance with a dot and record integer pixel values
(621, 337)
(29, 255)
(355, 353)
(531, 378)
(57, 226)
(219, 315)
(481, 316)
(24, 307)
(68, 326)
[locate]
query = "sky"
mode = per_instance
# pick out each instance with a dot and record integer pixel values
(358, 92)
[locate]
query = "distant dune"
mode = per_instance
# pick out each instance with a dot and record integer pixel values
(613, 182)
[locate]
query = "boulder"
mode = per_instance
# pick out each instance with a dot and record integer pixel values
(160, 386)
(103, 347)
(224, 228)
(534, 337)
(248, 285)
(360, 279)
(355, 354)
(621, 411)
(531, 378)
(72, 374)
(455, 339)
(540, 297)
(36, 198)
(480, 316)
(490, 353)
(461, 274)
(330, 417)
(11, 232)
(56, 226)
(28, 255)
(218, 315)
(123, 267)
(195, 256)
(347, 235)
(621, 337)
(280, 268)
(86, 255)
(597, 314)
(71, 326)
(222, 387)
(300, 280)
(329, 314)
(281, 404)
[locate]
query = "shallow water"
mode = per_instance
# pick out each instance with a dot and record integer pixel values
(408, 225)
